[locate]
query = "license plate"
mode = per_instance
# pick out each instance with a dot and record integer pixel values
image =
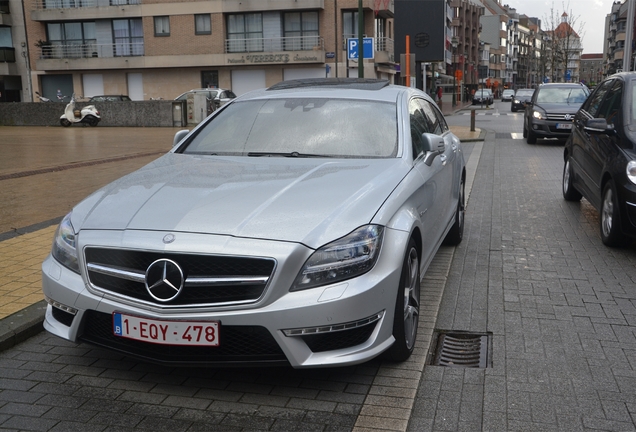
(564, 126)
(202, 333)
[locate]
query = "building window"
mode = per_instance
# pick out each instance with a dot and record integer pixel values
(202, 24)
(349, 26)
(72, 39)
(301, 30)
(245, 32)
(162, 26)
(128, 35)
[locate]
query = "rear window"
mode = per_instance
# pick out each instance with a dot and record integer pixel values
(308, 127)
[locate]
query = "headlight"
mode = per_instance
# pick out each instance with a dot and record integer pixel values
(64, 245)
(516, 101)
(345, 258)
(538, 115)
(631, 171)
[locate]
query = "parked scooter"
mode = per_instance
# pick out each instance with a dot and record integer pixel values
(42, 98)
(88, 114)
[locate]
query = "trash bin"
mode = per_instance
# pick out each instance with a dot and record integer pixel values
(178, 114)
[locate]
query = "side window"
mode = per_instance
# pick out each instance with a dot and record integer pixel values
(594, 102)
(433, 121)
(419, 125)
(611, 105)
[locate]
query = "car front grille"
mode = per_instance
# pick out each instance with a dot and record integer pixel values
(560, 117)
(238, 345)
(209, 280)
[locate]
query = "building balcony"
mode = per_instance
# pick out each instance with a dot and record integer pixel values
(73, 10)
(384, 50)
(94, 56)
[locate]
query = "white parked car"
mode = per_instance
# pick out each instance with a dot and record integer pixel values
(290, 227)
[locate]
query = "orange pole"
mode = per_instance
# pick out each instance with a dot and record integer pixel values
(408, 61)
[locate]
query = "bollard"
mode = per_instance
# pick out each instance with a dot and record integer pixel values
(472, 120)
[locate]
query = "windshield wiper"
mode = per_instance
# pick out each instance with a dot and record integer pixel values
(288, 154)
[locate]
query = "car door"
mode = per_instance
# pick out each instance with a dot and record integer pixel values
(431, 194)
(448, 186)
(581, 142)
(604, 148)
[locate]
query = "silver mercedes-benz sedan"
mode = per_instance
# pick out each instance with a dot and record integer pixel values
(291, 227)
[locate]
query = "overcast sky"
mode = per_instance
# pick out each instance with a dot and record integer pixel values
(588, 13)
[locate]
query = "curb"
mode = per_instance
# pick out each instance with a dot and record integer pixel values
(22, 325)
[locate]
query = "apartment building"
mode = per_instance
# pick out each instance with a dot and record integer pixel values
(161, 48)
(615, 34)
(14, 63)
(466, 31)
(592, 66)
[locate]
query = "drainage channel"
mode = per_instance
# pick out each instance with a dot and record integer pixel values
(462, 350)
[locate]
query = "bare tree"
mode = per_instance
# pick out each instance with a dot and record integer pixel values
(562, 45)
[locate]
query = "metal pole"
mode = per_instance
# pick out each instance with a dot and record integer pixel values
(629, 35)
(360, 40)
(335, 19)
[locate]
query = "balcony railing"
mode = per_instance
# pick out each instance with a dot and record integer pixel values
(69, 4)
(7, 55)
(295, 43)
(91, 50)
(384, 44)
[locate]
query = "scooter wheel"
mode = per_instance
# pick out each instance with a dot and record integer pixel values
(93, 122)
(64, 122)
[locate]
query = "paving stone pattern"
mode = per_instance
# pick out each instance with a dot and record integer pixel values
(560, 305)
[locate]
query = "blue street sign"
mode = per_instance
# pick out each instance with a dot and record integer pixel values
(352, 48)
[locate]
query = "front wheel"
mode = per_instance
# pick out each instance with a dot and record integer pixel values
(64, 122)
(569, 192)
(531, 138)
(610, 218)
(407, 307)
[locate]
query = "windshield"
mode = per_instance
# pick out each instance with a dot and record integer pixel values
(570, 95)
(301, 127)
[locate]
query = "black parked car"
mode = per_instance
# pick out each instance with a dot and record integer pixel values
(483, 97)
(521, 99)
(600, 157)
(551, 110)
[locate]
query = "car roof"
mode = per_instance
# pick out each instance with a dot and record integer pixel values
(341, 88)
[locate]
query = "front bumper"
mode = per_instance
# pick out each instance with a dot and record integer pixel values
(551, 128)
(249, 334)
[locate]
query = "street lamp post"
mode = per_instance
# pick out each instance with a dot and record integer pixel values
(454, 43)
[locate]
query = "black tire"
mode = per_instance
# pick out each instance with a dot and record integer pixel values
(569, 192)
(407, 307)
(92, 121)
(513, 110)
(531, 138)
(64, 122)
(525, 131)
(456, 233)
(609, 219)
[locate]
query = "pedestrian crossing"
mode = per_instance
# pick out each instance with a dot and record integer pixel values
(494, 113)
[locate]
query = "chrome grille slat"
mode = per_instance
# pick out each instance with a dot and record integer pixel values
(210, 280)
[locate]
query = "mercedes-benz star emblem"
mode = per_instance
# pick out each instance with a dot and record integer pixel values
(164, 280)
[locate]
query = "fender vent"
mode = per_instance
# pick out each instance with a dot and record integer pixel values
(462, 350)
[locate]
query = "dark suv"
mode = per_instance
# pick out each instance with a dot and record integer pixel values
(551, 110)
(600, 158)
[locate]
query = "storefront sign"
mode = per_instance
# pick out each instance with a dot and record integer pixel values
(276, 58)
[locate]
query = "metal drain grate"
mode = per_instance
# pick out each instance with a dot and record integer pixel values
(462, 350)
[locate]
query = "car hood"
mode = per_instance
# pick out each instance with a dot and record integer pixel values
(560, 108)
(312, 201)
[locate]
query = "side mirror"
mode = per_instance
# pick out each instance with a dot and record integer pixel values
(179, 136)
(598, 126)
(432, 145)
